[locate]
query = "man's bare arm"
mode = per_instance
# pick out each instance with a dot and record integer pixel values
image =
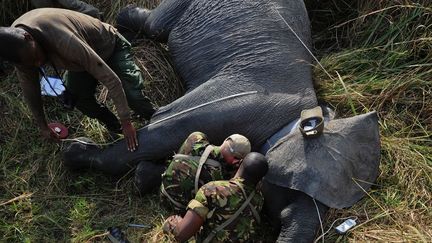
(29, 80)
(188, 226)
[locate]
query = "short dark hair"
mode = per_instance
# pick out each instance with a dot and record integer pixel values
(12, 41)
(255, 166)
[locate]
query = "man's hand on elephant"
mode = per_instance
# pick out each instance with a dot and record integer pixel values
(130, 135)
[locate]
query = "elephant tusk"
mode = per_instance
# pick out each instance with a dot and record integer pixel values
(202, 105)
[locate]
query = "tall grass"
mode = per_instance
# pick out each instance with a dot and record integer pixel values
(384, 64)
(378, 54)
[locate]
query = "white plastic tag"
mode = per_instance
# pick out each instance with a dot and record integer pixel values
(345, 226)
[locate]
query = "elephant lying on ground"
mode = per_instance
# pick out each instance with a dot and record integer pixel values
(245, 71)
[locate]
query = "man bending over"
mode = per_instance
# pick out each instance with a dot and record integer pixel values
(91, 51)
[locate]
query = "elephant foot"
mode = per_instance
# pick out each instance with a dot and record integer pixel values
(78, 155)
(148, 176)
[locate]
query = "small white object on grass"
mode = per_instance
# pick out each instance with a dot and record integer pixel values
(345, 226)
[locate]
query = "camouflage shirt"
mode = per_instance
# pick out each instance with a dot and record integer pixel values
(179, 178)
(217, 201)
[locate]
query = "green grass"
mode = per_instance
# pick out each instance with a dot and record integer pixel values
(378, 54)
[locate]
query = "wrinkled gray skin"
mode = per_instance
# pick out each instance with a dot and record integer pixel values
(223, 48)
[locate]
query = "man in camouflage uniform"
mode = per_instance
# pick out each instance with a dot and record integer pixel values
(180, 180)
(226, 210)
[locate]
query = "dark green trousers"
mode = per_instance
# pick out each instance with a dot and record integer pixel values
(82, 85)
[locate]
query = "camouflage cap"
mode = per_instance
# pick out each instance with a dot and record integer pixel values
(240, 145)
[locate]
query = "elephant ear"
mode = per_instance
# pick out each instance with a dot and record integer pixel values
(336, 168)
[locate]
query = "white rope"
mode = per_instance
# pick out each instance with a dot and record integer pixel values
(88, 143)
(202, 105)
(319, 217)
(305, 46)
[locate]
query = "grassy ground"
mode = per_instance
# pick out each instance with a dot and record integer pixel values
(377, 55)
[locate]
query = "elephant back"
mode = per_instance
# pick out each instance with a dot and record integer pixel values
(248, 38)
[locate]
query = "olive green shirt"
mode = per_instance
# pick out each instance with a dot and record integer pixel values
(72, 41)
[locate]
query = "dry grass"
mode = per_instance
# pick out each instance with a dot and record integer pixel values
(378, 55)
(162, 83)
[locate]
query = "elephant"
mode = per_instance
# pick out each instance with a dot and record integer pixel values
(247, 69)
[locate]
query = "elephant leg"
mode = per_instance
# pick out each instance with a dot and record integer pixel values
(299, 219)
(79, 156)
(155, 24)
(148, 176)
